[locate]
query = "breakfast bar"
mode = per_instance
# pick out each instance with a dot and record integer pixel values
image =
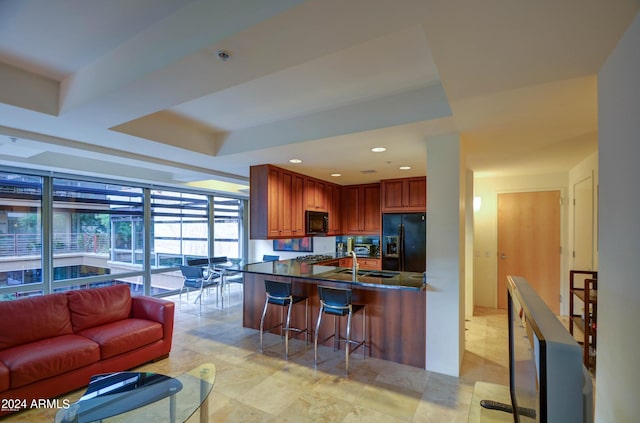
(395, 301)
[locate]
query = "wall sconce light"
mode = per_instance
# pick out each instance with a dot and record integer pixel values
(477, 203)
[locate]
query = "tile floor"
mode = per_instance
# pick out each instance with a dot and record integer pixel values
(255, 387)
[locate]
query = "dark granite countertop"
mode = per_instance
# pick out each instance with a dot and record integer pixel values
(370, 278)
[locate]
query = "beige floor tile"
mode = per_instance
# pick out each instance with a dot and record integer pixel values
(263, 387)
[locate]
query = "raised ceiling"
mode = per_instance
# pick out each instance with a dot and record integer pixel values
(135, 89)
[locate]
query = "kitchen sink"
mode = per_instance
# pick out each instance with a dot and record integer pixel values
(372, 273)
(350, 272)
(376, 274)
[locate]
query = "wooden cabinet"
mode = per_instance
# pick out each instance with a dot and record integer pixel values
(364, 263)
(346, 262)
(583, 311)
(276, 204)
(334, 207)
(292, 216)
(370, 263)
(361, 209)
(404, 195)
(315, 194)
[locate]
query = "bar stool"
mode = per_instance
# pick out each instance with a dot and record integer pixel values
(337, 302)
(281, 294)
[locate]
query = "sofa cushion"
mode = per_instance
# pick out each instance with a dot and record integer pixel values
(95, 307)
(124, 335)
(32, 319)
(48, 357)
(4, 377)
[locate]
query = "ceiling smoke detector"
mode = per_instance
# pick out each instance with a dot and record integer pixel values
(223, 55)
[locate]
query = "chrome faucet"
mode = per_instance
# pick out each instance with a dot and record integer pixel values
(354, 269)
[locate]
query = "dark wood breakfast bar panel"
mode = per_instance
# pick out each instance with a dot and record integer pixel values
(396, 323)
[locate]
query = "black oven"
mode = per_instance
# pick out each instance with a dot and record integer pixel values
(316, 222)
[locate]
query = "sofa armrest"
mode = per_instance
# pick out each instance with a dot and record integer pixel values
(158, 310)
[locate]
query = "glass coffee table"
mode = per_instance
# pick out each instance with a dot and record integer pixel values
(134, 396)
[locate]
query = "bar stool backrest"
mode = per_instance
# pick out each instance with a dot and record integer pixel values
(278, 292)
(335, 300)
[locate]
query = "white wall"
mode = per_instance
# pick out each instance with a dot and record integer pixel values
(485, 265)
(445, 256)
(618, 372)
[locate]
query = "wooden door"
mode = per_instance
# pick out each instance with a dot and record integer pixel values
(529, 243)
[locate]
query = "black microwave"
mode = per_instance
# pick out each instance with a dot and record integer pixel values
(317, 222)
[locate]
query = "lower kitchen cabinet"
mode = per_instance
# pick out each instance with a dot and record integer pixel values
(363, 263)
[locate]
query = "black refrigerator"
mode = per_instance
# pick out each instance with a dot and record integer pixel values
(404, 242)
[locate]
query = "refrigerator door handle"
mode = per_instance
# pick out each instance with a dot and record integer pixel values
(401, 246)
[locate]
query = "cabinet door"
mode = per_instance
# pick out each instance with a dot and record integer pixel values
(274, 202)
(350, 206)
(315, 194)
(370, 264)
(346, 262)
(297, 205)
(337, 210)
(310, 187)
(404, 195)
(333, 208)
(392, 195)
(416, 194)
(370, 206)
(291, 214)
(321, 196)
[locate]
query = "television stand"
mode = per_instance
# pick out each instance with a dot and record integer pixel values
(489, 391)
(507, 408)
(492, 403)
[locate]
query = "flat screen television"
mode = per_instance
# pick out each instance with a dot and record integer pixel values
(548, 380)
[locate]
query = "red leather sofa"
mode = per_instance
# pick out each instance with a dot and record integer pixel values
(53, 344)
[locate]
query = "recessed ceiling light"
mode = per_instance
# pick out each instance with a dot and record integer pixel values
(378, 149)
(295, 161)
(335, 175)
(405, 167)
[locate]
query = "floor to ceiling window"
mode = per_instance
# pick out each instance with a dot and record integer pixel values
(227, 229)
(179, 231)
(80, 233)
(92, 224)
(20, 234)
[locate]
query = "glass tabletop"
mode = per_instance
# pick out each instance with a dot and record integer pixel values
(138, 396)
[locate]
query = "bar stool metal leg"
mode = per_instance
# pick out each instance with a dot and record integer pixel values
(337, 301)
(264, 313)
(280, 294)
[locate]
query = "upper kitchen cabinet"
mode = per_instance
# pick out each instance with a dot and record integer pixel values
(276, 204)
(361, 209)
(404, 195)
(334, 207)
(315, 194)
